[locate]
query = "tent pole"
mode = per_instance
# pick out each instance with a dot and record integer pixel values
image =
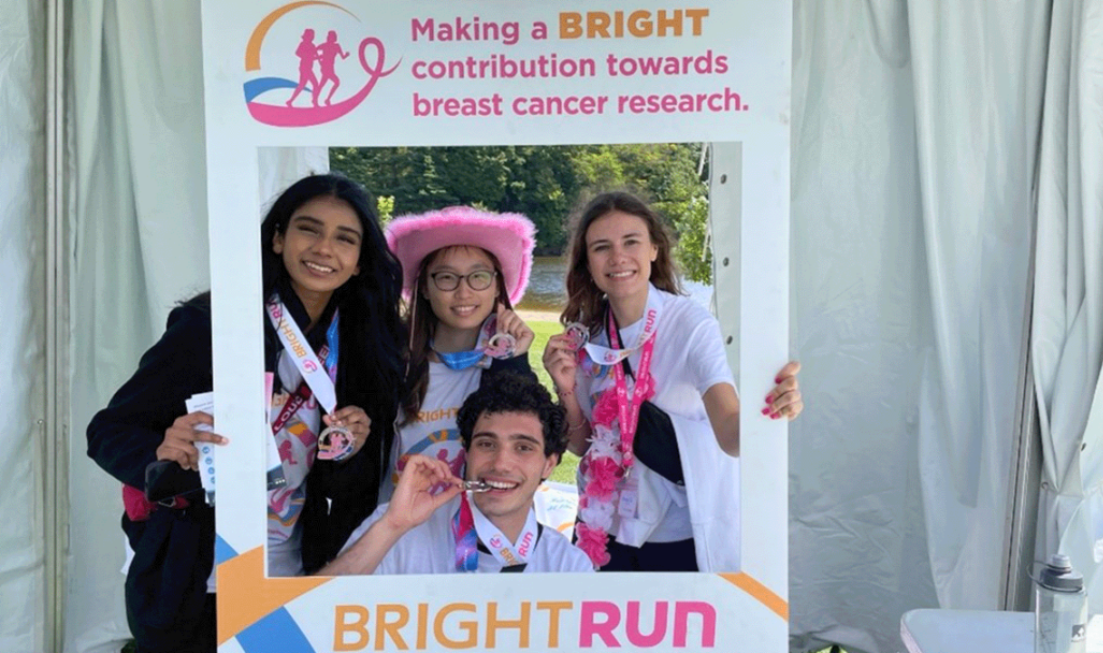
(1026, 470)
(54, 428)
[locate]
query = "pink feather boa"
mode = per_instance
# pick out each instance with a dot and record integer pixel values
(605, 464)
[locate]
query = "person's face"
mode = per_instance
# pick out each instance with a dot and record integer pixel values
(462, 308)
(507, 452)
(619, 253)
(321, 246)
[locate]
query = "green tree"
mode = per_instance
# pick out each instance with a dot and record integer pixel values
(546, 183)
(385, 208)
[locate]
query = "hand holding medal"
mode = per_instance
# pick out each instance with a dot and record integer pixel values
(347, 430)
(413, 500)
(512, 336)
(561, 356)
(501, 345)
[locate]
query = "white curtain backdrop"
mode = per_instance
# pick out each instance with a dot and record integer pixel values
(861, 321)
(979, 73)
(139, 246)
(914, 142)
(22, 347)
(1068, 304)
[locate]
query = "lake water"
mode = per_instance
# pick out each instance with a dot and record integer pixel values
(546, 291)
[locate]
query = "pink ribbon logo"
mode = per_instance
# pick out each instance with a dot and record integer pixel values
(311, 101)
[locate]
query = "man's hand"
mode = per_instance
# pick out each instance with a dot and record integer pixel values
(412, 502)
(410, 505)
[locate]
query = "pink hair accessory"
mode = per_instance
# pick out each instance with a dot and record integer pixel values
(510, 237)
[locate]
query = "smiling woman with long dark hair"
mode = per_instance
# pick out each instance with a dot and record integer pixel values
(327, 275)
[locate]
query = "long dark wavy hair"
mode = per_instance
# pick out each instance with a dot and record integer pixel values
(372, 336)
(423, 324)
(585, 301)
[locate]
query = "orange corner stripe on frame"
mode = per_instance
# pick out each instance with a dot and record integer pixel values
(245, 596)
(763, 594)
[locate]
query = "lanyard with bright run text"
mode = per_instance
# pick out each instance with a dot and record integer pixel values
(612, 355)
(470, 526)
(322, 379)
(628, 410)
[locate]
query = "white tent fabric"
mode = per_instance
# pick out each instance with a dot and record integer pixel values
(23, 346)
(915, 137)
(139, 247)
(1068, 305)
(978, 111)
(861, 322)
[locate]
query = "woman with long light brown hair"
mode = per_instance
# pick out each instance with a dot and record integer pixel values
(651, 402)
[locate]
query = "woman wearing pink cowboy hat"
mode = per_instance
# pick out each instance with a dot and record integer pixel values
(463, 270)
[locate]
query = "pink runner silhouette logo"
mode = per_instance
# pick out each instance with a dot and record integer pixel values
(311, 102)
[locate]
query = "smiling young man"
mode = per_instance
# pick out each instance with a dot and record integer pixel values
(513, 435)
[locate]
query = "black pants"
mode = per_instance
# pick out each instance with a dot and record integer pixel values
(652, 556)
(197, 636)
(168, 607)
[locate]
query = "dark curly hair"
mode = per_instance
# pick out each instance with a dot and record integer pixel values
(508, 392)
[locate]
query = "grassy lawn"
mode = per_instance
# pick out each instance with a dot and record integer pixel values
(564, 473)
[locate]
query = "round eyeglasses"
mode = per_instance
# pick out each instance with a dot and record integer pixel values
(478, 280)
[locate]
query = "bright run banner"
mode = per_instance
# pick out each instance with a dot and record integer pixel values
(463, 72)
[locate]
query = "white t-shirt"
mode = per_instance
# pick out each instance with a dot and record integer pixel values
(297, 443)
(434, 433)
(688, 359)
(431, 548)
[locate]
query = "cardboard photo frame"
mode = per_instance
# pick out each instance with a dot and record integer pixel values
(408, 91)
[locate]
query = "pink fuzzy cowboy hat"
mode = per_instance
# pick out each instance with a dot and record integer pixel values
(510, 237)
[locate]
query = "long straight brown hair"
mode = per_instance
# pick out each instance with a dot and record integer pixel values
(422, 323)
(585, 301)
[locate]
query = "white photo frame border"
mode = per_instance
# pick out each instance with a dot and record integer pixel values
(749, 608)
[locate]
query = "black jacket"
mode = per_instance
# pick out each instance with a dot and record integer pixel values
(173, 549)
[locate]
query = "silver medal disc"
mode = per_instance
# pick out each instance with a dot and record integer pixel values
(501, 345)
(335, 443)
(577, 335)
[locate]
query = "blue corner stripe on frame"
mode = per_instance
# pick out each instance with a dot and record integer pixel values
(222, 550)
(276, 632)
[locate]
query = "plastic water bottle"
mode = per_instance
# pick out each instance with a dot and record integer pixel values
(1060, 608)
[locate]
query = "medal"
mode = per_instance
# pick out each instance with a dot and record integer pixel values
(335, 443)
(476, 486)
(501, 345)
(490, 345)
(577, 335)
